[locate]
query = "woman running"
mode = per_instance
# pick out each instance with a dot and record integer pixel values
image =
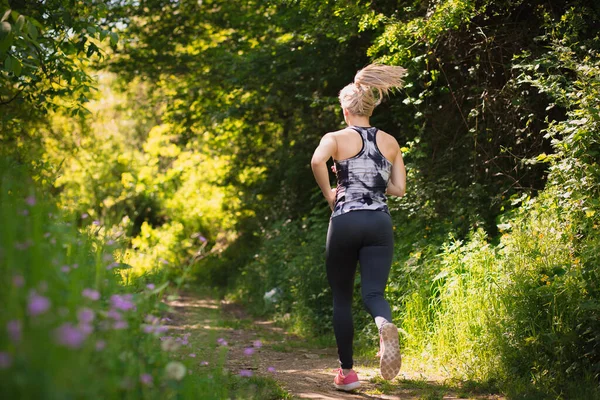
(368, 165)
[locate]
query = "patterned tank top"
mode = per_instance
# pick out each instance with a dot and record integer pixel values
(362, 180)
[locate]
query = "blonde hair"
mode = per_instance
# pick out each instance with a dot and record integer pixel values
(370, 85)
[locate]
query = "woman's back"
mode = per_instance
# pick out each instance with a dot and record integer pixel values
(362, 170)
(349, 144)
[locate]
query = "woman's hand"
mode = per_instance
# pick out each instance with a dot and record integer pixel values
(331, 198)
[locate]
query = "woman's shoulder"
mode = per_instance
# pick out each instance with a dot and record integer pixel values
(340, 134)
(387, 140)
(343, 131)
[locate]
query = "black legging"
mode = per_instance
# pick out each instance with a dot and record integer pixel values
(365, 237)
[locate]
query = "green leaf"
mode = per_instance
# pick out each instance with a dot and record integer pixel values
(32, 30)
(13, 65)
(160, 288)
(35, 22)
(19, 24)
(91, 50)
(122, 266)
(69, 48)
(6, 15)
(5, 44)
(114, 38)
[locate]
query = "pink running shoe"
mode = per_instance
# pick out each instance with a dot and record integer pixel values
(389, 352)
(348, 382)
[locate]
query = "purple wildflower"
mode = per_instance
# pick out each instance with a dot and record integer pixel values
(15, 330)
(85, 315)
(86, 329)
(146, 379)
(248, 351)
(37, 304)
(96, 222)
(5, 360)
(183, 341)
(257, 344)
(204, 363)
(202, 239)
(122, 302)
(18, 281)
(100, 345)
(153, 325)
(84, 215)
(65, 268)
(245, 372)
(110, 242)
(75, 266)
(118, 325)
(193, 355)
(150, 286)
(69, 336)
(161, 329)
(114, 314)
(271, 370)
(148, 328)
(91, 294)
(30, 200)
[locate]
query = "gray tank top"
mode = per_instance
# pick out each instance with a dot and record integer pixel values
(362, 180)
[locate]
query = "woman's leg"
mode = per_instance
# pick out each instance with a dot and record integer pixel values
(341, 259)
(375, 262)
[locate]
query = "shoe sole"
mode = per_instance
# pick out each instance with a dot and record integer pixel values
(348, 387)
(390, 359)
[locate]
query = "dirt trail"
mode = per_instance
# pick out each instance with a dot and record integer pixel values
(305, 373)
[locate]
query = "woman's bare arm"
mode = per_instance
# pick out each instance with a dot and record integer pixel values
(324, 152)
(397, 182)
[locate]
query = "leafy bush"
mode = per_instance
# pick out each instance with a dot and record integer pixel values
(71, 327)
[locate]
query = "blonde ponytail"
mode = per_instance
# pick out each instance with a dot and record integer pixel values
(360, 97)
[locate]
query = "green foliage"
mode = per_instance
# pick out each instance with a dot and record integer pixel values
(288, 274)
(196, 156)
(43, 55)
(69, 328)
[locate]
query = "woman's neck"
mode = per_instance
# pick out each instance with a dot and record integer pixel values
(357, 120)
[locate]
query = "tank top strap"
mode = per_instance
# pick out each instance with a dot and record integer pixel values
(368, 135)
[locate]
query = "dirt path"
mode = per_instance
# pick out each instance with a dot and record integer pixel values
(303, 372)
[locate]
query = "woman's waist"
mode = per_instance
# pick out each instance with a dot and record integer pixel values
(360, 191)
